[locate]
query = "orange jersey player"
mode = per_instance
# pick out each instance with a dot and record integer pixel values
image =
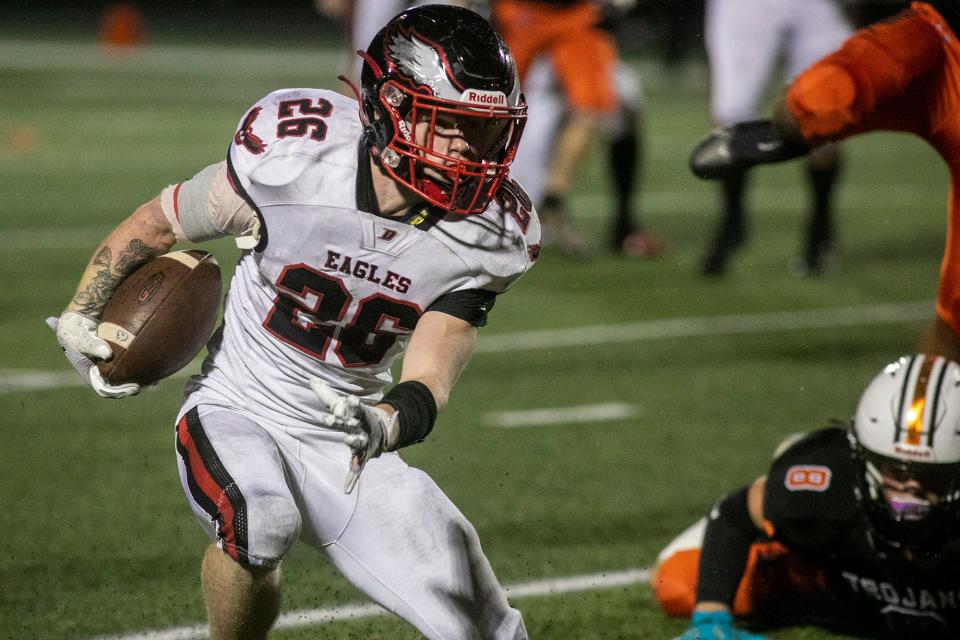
(568, 31)
(898, 75)
(583, 55)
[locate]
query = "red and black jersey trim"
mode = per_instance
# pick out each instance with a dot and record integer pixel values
(240, 191)
(212, 487)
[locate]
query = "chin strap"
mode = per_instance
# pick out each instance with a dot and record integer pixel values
(371, 137)
(356, 92)
(377, 73)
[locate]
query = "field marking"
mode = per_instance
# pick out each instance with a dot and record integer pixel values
(562, 415)
(755, 323)
(166, 59)
(14, 380)
(357, 611)
(24, 380)
(19, 380)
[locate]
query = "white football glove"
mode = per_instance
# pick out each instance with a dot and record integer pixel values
(369, 431)
(77, 335)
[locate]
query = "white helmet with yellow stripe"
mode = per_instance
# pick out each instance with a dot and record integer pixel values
(906, 434)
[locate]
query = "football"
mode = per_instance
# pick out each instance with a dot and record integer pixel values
(160, 317)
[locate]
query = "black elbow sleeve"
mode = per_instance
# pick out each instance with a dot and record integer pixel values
(726, 547)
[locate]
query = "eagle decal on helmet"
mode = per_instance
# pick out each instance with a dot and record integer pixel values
(422, 63)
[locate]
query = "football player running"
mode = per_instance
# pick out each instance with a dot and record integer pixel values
(363, 238)
(898, 75)
(854, 528)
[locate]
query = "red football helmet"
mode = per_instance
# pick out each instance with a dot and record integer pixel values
(439, 72)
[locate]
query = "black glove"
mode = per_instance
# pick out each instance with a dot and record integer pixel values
(729, 150)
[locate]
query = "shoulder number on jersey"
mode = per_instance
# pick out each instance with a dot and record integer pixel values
(514, 200)
(295, 119)
(310, 118)
(808, 477)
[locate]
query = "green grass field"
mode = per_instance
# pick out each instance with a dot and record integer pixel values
(98, 539)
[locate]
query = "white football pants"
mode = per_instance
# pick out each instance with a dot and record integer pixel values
(746, 37)
(256, 487)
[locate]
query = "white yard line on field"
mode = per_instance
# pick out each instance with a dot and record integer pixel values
(752, 323)
(18, 380)
(165, 59)
(14, 380)
(314, 617)
(562, 415)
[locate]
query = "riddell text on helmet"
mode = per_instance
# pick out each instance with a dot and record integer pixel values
(479, 96)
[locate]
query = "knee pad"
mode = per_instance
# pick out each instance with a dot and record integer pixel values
(274, 523)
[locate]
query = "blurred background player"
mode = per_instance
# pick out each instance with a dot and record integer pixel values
(897, 75)
(583, 56)
(681, 24)
(623, 136)
(854, 527)
(122, 28)
(744, 40)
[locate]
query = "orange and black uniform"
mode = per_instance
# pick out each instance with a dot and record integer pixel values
(568, 31)
(820, 562)
(900, 75)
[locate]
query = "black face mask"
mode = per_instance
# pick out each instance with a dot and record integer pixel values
(916, 524)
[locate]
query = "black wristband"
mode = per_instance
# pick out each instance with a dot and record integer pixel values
(416, 411)
(726, 547)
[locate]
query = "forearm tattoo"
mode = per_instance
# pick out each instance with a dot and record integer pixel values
(111, 273)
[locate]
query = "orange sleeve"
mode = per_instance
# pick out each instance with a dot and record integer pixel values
(841, 94)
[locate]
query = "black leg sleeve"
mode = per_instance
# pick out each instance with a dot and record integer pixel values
(733, 189)
(626, 163)
(820, 226)
(726, 546)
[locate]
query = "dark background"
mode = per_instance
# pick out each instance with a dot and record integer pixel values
(654, 27)
(667, 29)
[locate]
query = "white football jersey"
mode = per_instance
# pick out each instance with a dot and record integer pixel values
(332, 291)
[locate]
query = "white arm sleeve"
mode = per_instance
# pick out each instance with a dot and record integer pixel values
(206, 207)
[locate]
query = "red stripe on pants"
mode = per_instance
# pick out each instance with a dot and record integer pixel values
(214, 492)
